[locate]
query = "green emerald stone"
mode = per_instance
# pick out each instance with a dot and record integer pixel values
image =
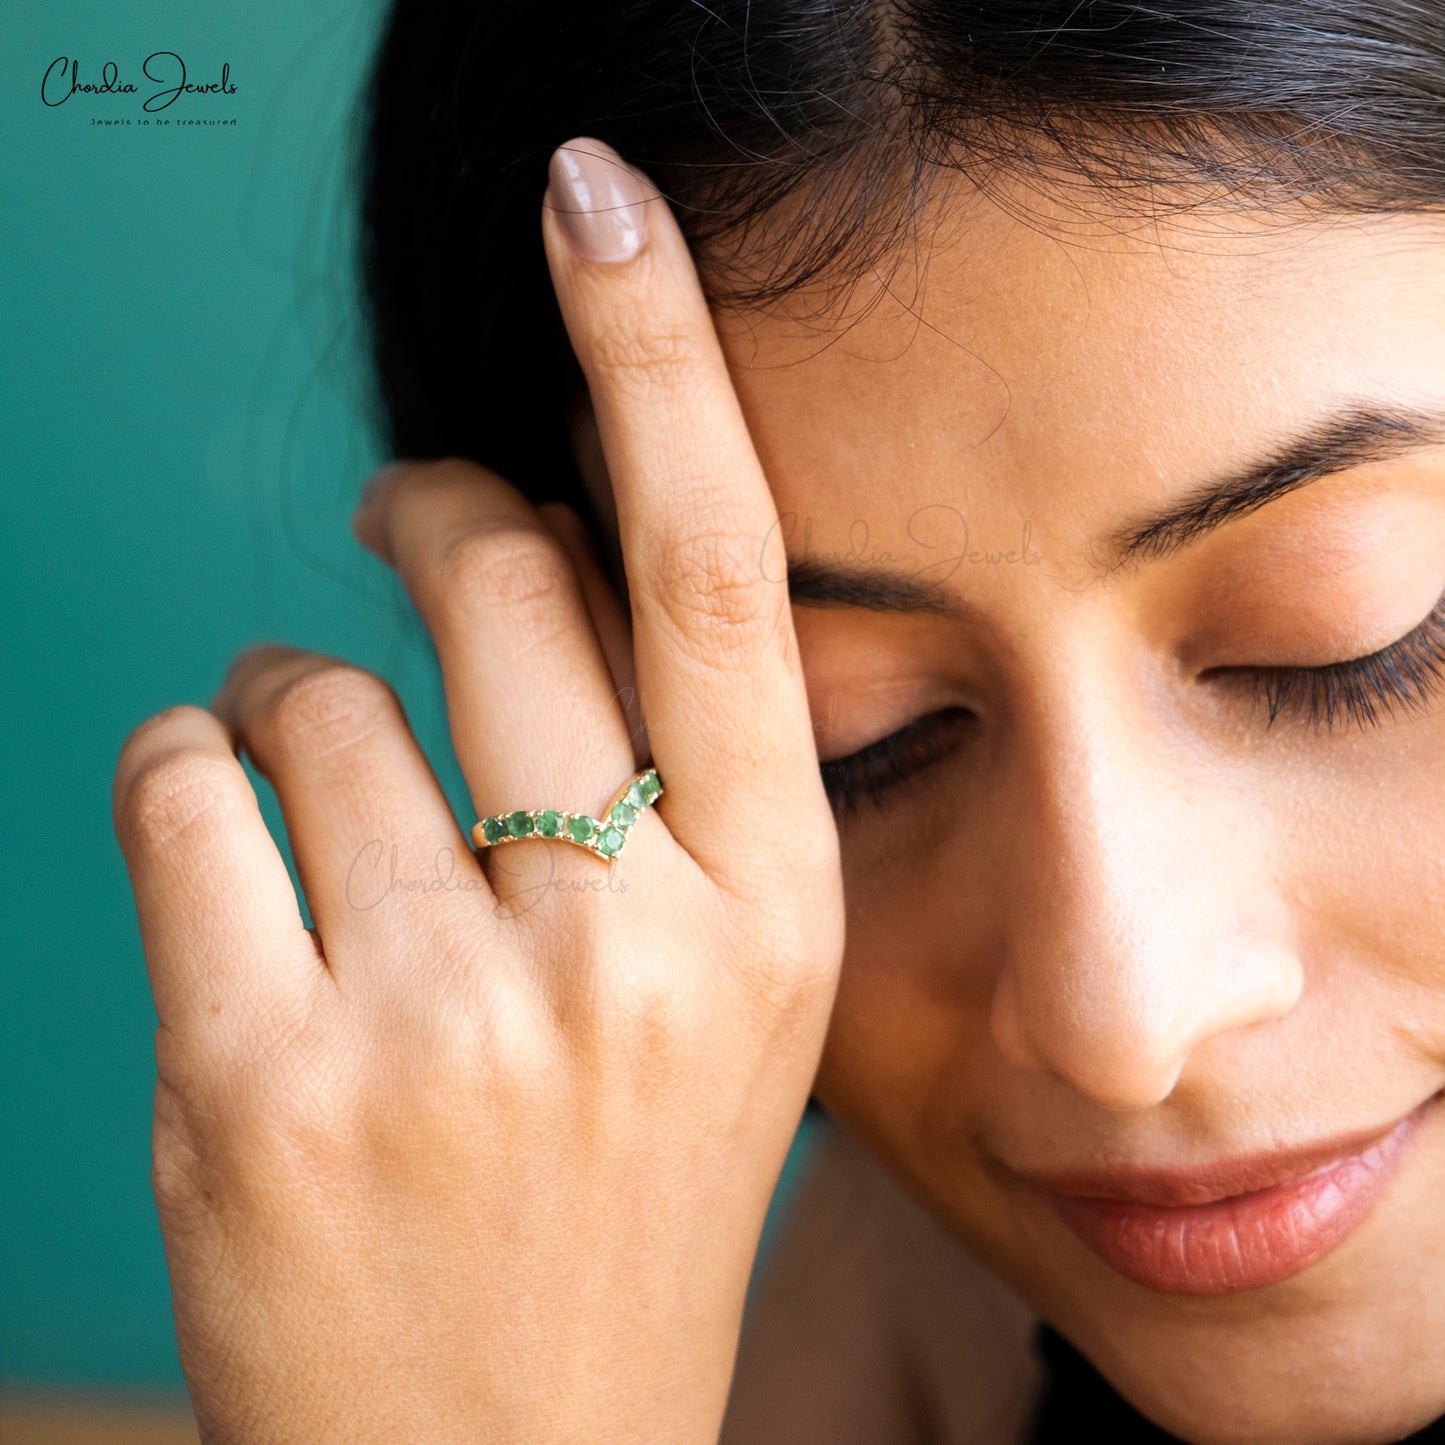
(580, 828)
(549, 822)
(519, 824)
(636, 796)
(623, 814)
(610, 841)
(493, 829)
(651, 785)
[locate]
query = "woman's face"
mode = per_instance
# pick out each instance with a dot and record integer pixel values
(1117, 935)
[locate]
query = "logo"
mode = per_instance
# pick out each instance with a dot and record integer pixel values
(164, 71)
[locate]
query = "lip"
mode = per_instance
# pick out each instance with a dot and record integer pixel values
(1235, 1224)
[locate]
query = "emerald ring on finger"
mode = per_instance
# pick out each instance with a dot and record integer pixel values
(604, 836)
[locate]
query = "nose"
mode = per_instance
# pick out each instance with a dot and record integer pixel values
(1143, 924)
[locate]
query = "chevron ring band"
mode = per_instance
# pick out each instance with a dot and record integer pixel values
(604, 836)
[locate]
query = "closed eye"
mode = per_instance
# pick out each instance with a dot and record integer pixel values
(873, 772)
(1364, 690)
(1406, 674)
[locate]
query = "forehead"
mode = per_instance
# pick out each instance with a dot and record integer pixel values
(1069, 365)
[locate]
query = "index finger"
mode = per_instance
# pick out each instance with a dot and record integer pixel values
(715, 654)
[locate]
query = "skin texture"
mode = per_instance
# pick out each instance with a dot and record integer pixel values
(491, 1162)
(464, 1168)
(1120, 920)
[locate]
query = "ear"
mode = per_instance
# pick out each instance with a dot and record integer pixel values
(592, 465)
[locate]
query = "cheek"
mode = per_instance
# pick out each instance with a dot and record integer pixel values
(1361, 847)
(911, 1014)
(908, 1063)
(1356, 830)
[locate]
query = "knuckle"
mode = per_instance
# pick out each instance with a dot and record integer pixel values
(497, 1029)
(792, 969)
(180, 1062)
(473, 1020)
(173, 1174)
(637, 991)
(661, 1028)
(333, 707)
(647, 359)
(170, 1180)
(709, 586)
(634, 1017)
(787, 996)
(173, 791)
(516, 571)
(181, 1176)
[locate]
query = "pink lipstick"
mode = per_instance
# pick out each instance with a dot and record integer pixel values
(1235, 1225)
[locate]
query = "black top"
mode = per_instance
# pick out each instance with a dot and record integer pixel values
(1079, 1404)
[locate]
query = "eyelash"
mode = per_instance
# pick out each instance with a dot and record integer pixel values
(874, 771)
(1405, 673)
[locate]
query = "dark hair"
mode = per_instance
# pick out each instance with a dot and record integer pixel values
(797, 141)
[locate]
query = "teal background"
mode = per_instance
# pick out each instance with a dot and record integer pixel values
(186, 430)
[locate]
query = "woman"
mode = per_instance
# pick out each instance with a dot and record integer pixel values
(1014, 437)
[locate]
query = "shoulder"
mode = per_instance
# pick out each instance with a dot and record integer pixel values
(873, 1325)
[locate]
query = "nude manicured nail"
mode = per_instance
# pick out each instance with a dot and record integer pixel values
(597, 199)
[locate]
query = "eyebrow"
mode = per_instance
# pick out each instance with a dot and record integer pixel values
(1352, 436)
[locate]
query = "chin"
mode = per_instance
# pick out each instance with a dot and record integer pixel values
(1306, 1415)
(1344, 1352)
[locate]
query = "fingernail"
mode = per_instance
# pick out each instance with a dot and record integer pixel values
(597, 199)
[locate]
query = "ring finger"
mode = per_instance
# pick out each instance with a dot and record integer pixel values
(531, 700)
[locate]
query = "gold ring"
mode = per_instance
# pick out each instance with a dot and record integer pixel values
(603, 836)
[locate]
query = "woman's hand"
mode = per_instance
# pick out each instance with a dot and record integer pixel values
(490, 1161)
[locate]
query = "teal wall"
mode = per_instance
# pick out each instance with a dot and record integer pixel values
(184, 436)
